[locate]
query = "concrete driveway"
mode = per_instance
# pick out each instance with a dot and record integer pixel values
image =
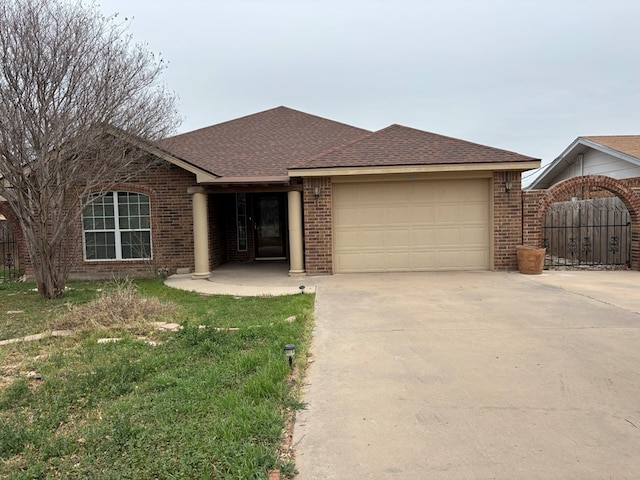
(473, 376)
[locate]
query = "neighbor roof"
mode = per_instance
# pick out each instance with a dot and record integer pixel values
(261, 145)
(625, 147)
(627, 144)
(397, 145)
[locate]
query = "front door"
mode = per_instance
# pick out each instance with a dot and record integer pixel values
(269, 225)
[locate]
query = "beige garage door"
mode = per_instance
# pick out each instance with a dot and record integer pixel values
(411, 226)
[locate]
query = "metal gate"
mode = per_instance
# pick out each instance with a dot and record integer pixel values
(9, 268)
(593, 233)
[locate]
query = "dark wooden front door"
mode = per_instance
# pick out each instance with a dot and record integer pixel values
(270, 225)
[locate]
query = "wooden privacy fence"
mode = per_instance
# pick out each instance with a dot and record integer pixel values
(594, 232)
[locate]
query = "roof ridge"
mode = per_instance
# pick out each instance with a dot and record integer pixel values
(273, 109)
(449, 137)
(333, 149)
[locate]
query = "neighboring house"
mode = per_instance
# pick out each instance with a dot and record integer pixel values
(615, 156)
(324, 196)
(587, 203)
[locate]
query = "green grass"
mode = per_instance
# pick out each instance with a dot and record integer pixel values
(202, 404)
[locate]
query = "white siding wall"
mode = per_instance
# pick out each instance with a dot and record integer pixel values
(599, 163)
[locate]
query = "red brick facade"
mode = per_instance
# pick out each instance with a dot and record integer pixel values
(517, 219)
(171, 227)
(507, 219)
(536, 203)
(318, 225)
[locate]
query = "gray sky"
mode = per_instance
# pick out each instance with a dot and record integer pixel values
(524, 75)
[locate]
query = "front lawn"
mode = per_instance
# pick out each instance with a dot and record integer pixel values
(207, 401)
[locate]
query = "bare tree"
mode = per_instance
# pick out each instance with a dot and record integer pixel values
(74, 91)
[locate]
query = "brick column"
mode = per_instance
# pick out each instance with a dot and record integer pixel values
(507, 219)
(318, 233)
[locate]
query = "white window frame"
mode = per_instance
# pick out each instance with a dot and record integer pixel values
(117, 231)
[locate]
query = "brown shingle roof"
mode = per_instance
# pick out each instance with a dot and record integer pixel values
(264, 144)
(628, 144)
(398, 145)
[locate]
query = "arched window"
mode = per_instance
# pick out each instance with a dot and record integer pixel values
(117, 226)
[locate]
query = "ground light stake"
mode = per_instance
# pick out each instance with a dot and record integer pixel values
(290, 351)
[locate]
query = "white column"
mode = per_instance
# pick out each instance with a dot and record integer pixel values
(296, 258)
(200, 234)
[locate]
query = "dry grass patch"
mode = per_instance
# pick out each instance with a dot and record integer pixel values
(118, 308)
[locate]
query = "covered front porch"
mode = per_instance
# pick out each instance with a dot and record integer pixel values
(242, 224)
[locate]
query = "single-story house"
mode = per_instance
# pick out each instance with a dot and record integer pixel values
(324, 196)
(614, 156)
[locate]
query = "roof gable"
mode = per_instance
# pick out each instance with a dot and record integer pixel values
(624, 147)
(262, 145)
(397, 145)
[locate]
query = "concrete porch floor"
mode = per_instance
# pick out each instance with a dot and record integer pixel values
(247, 280)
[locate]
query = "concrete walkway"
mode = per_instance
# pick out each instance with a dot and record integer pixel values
(247, 280)
(473, 376)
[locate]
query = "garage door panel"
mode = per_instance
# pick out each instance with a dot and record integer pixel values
(447, 213)
(371, 239)
(422, 236)
(392, 195)
(475, 259)
(475, 236)
(397, 215)
(370, 215)
(423, 260)
(404, 226)
(350, 239)
(397, 261)
(347, 216)
(475, 213)
(447, 235)
(372, 262)
(422, 214)
(396, 239)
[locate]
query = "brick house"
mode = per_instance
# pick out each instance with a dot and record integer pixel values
(324, 196)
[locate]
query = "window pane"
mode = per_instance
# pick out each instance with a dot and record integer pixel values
(99, 214)
(136, 244)
(100, 245)
(124, 222)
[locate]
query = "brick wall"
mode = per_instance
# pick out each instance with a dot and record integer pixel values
(318, 230)
(531, 232)
(536, 203)
(507, 219)
(217, 207)
(171, 227)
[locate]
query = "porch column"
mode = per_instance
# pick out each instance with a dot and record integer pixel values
(200, 233)
(296, 258)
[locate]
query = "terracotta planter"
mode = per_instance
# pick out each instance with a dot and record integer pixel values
(530, 259)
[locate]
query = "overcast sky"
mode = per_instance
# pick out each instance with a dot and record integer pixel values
(524, 75)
